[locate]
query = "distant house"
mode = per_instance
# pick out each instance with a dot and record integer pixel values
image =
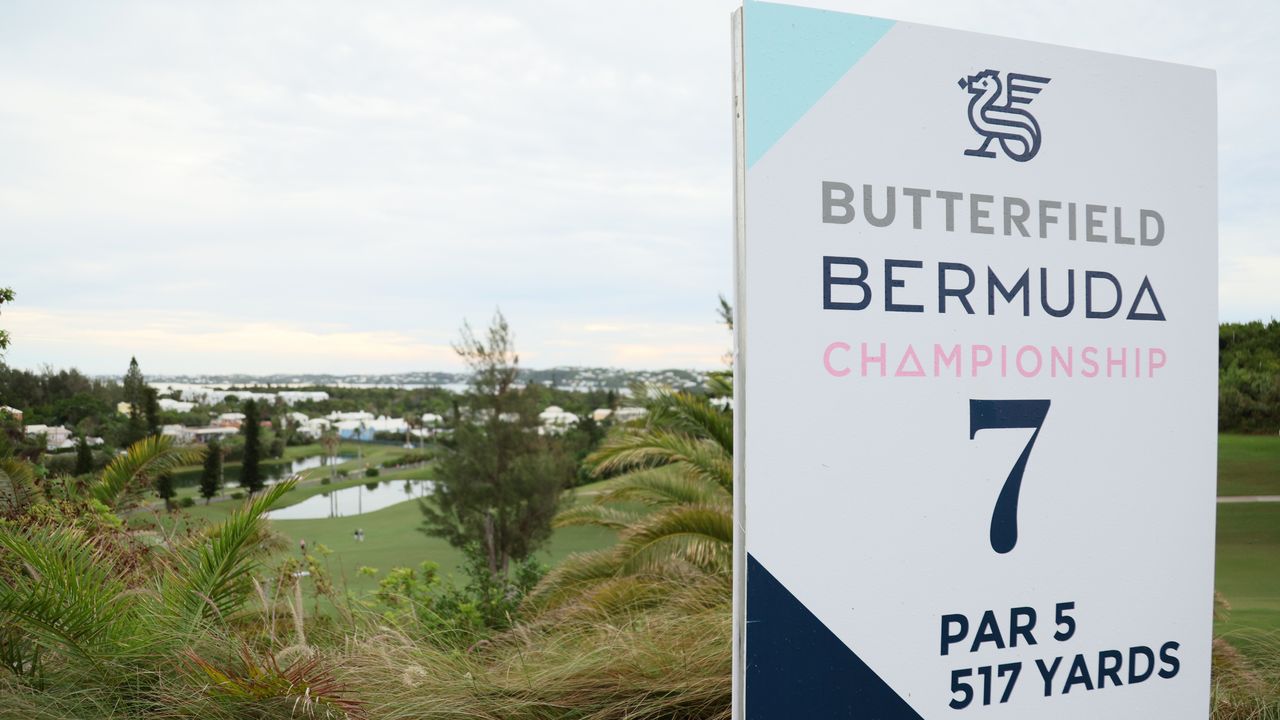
(13, 412)
(366, 428)
(124, 408)
(171, 405)
(628, 414)
(296, 396)
(188, 435)
(428, 426)
(354, 430)
(601, 414)
(555, 420)
(345, 416)
(58, 438)
(231, 419)
(313, 427)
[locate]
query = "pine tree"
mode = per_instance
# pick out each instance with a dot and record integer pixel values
(499, 488)
(250, 470)
(151, 409)
(211, 477)
(164, 488)
(135, 393)
(84, 456)
(137, 427)
(134, 384)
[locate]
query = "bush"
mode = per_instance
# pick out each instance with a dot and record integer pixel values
(371, 472)
(237, 495)
(187, 502)
(325, 480)
(412, 458)
(59, 464)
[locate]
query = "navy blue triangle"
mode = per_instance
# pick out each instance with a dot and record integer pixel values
(797, 668)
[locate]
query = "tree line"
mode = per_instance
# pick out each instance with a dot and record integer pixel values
(1249, 377)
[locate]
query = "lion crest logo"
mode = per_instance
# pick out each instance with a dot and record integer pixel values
(998, 112)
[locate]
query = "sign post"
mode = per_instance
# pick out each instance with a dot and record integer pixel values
(976, 372)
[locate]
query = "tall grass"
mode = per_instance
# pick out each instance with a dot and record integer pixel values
(1247, 687)
(669, 662)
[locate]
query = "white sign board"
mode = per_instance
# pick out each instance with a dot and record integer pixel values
(977, 375)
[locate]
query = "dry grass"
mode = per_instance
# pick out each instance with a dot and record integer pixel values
(665, 663)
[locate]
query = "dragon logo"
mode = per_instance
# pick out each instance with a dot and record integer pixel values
(997, 112)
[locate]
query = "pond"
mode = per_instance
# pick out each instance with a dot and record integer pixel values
(274, 472)
(314, 461)
(356, 500)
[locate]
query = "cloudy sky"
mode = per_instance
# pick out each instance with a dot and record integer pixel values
(334, 186)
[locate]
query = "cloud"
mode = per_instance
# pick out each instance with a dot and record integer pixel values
(394, 168)
(170, 341)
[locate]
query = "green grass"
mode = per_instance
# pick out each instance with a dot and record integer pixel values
(391, 535)
(364, 455)
(1248, 549)
(1248, 572)
(1248, 465)
(392, 539)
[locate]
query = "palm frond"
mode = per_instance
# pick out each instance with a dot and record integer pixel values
(213, 576)
(597, 515)
(67, 596)
(572, 577)
(693, 415)
(664, 486)
(131, 472)
(699, 534)
(619, 595)
(17, 484)
(632, 449)
(720, 383)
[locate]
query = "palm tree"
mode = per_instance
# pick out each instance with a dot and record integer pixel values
(329, 440)
(85, 593)
(671, 501)
(410, 420)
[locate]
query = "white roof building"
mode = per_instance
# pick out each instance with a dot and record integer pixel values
(57, 437)
(313, 427)
(175, 405)
(344, 416)
(556, 420)
(296, 396)
(627, 414)
(390, 424)
(186, 435)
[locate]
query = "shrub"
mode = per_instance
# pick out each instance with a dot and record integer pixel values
(325, 480)
(237, 495)
(187, 502)
(371, 472)
(411, 458)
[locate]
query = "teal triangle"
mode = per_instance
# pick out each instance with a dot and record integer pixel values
(793, 56)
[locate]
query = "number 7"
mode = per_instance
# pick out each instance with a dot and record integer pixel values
(1000, 415)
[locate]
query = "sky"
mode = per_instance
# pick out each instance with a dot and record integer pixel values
(334, 187)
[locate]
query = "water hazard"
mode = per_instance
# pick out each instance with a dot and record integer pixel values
(275, 472)
(354, 500)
